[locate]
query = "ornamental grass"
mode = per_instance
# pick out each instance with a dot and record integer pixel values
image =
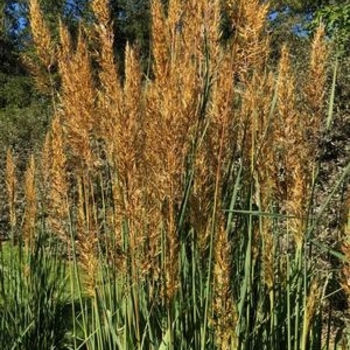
(173, 209)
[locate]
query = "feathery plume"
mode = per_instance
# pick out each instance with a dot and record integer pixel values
(315, 87)
(224, 308)
(41, 35)
(290, 151)
(160, 42)
(101, 10)
(109, 94)
(31, 203)
(58, 211)
(252, 43)
(314, 92)
(86, 236)
(77, 98)
(41, 65)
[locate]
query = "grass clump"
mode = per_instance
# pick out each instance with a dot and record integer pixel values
(181, 205)
(33, 302)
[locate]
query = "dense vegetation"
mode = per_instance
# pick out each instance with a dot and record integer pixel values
(174, 184)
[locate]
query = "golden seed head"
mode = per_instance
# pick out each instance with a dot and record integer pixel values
(31, 202)
(41, 35)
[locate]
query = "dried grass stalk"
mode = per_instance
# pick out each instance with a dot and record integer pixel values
(41, 64)
(252, 42)
(30, 203)
(41, 35)
(314, 92)
(87, 236)
(58, 208)
(224, 308)
(78, 99)
(292, 153)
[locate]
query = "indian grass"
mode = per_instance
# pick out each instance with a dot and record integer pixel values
(41, 35)
(58, 210)
(77, 99)
(183, 201)
(28, 230)
(42, 63)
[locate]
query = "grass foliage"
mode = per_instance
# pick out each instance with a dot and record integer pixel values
(177, 210)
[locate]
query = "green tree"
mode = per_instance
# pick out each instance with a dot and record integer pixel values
(302, 6)
(132, 22)
(336, 19)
